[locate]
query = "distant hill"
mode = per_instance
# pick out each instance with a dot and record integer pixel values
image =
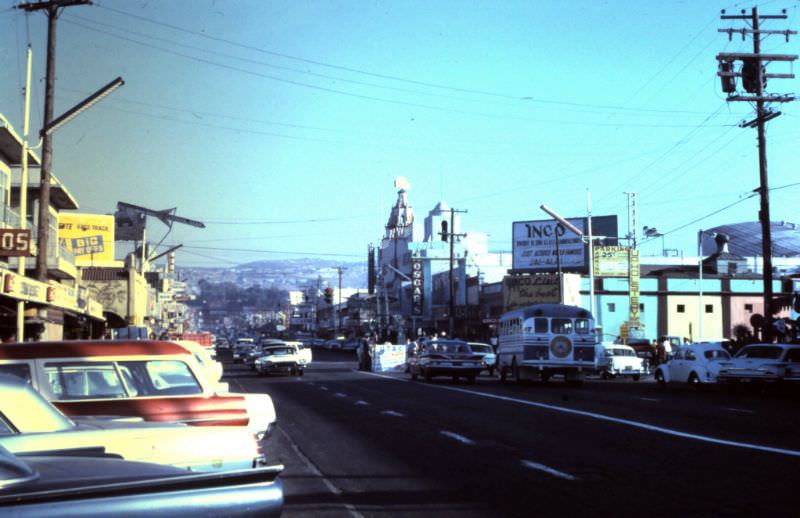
(288, 274)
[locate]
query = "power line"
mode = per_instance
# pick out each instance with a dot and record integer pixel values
(380, 75)
(257, 251)
(380, 99)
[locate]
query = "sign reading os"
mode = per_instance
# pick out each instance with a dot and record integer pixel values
(15, 242)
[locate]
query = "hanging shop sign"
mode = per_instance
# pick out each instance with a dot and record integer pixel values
(90, 237)
(15, 242)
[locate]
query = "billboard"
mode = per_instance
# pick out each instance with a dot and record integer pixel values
(611, 261)
(90, 237)
(535, 244)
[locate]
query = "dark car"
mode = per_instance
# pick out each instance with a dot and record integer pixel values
(452, 358)
(66, 483)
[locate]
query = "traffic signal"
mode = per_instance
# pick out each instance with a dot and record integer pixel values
(329, 295)
(750, 76)
(728, 81)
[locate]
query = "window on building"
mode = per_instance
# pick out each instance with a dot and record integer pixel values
(709, 308)
(641, 307)
(612, 307)
(681, 308)
(444, 233)
(748, 308)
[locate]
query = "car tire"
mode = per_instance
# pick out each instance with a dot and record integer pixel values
(414, 376)
(636, 377)
(606, 375)
(491, 371)
(660, 379)
(455, 379)
(471, 380)
(502, 373)
(694, 380)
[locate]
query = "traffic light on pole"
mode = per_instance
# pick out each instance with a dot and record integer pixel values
(329, 295)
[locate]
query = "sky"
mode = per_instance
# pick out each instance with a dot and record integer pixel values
(283, 124)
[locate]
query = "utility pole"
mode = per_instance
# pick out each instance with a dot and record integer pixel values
(52, 8)
(339, 270)
(754, 80)
(631, 219)
(451, 235)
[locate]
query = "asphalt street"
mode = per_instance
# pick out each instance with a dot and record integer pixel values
(370, 444)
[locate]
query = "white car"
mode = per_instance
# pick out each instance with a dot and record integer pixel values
(619, 360)
(280, 358)
(303, 350)
(28, 423)
(489, 360)
(763, 363)
(695, 364)
(212, 367)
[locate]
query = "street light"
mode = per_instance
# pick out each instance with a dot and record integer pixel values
(82, 106)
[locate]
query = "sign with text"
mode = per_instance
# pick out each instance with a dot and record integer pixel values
(90, 237)
(389, 358)
(537, 245)
(520, 291)
(15, 242)
(611, 261)
(417, 289)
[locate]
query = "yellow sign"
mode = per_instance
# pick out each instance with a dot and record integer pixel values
(611, 261)
(90, 237)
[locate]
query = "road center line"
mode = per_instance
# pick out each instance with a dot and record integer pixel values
(650, 399)
(361, 402)
(602, 417)
(739, 410)
(340, 394)
(323, 388)
(459, 438)
(392, 413)
(546, 469)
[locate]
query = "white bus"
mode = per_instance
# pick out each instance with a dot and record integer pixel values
(539, 341)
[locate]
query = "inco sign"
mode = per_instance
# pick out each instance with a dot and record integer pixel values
(15, 242)
(417, 289)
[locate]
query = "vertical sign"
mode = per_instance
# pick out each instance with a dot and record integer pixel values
(417, 290)
(633, 282)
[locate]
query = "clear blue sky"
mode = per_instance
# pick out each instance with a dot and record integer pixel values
(283, 124)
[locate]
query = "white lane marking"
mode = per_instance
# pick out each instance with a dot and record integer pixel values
(459, 438)
(323, 388)
(317, 473)
(602, 417)
(551, 471)
(739, 410)
(361, 402)
(392, 413)
(649, 399)
(340, 394)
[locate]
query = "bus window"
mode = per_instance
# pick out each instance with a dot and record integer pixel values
(540, 326)
(561, 326)
(581, 326)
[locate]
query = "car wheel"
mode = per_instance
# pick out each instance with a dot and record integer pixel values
(427, 375)
(606, 375)
(292, 372)
(414, 376)
(636, 377)
(471, 379)
(502, 372)
(694, 380)
(660, 379)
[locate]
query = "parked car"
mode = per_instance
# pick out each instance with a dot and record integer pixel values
(28, 423)
(619, 360)
(157, 381)
(280, 358)
(60, 486)
(695, 364)
(445, 358)
(241, 347)
(303, 350)
(763, 363)
(212, 367)
(488, 356)
(334, 344)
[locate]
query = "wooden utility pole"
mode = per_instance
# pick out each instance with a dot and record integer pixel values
(339, 270)
(754, 79)
(52, 8)
(451, 235)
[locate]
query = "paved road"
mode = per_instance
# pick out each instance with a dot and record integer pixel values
(366, 444)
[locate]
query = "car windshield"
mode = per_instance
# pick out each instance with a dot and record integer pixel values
(620, 352)
(717, 354)
(483, 349)
(271, 351)
(767, 352)
(449, 347)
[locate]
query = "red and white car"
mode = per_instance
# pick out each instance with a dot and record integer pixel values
(154, 380)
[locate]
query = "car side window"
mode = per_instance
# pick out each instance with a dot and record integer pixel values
(84, 380)
(689, 355)
(678, 355)
(20, 370)
(160, 378)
